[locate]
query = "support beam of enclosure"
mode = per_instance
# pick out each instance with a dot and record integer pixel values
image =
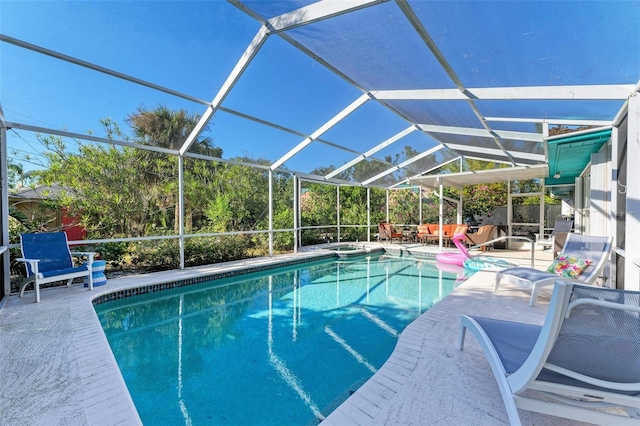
(316, 178)
(372, 151)
(504, 174)
(387, 205)
(296, 213)
(181, 207)
(368, 215)
(497, 152)
(270, 212)
(550, 121)
(80, 136)
(440, 213)
(232, 79)
(336, 9)
(282, 128)
(141, 82)
(315, 12)
(492, 160)
(586, 92)
(453, 160)
(433, 47)
(470, 131)
(435, 168)
(420, 205)
(98, 68)
(324, 128)
(338, 211)
(4, 207)
(404, 164)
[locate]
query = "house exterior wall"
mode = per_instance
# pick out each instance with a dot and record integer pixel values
(70, 226)
(600, 196)
(36, 212)
(632, 210)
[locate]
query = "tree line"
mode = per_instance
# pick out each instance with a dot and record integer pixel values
(123, 191)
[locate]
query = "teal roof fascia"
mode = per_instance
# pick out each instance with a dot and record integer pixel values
(571, 154)
(601, 135)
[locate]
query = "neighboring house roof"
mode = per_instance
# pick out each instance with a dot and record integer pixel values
(36, 193)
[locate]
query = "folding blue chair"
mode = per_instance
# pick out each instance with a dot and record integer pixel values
(48, 259)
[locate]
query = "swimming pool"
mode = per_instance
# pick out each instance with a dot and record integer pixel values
(285, 346)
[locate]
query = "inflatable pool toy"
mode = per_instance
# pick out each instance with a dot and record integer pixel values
(475, 263)
(455, 258)
(486, 263)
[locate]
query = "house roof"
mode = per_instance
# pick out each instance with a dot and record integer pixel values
(37, 193)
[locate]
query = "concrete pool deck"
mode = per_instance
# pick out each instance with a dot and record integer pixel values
(57, 367)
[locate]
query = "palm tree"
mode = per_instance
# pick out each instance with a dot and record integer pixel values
(165, 128)
(16, 174)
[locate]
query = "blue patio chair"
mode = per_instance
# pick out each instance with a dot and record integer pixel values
(48, 259)
(582, 364)
(577, 246)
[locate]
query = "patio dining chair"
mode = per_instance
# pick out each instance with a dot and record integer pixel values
(386, 232)
(484, 234)
(557, 237)
(582, 259)
(47, 259)
(582, 364)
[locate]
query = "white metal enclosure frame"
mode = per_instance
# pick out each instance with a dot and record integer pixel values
(490, 120)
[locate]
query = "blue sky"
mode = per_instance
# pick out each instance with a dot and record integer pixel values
(189, 48)
(192, 46)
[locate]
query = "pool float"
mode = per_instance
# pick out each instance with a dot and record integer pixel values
(455, 258)
(475, 263)
(485, 263)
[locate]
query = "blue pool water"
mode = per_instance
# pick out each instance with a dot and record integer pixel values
(281, 347)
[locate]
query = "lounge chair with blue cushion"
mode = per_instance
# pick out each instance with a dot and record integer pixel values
(582, 364)
(582, 259)
(48, 259)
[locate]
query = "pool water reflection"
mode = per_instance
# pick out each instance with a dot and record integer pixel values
(285, 346)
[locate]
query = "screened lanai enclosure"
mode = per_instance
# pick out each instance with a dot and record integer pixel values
(184, 132)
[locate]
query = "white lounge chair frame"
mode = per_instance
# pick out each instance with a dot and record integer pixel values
(569, 393)
(37, 268)
(597, 249)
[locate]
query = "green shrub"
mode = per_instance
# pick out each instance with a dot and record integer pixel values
(318, 236)
(165, 254)
(208, 250)
(353, 234)
(155, 255)
(114, 253)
